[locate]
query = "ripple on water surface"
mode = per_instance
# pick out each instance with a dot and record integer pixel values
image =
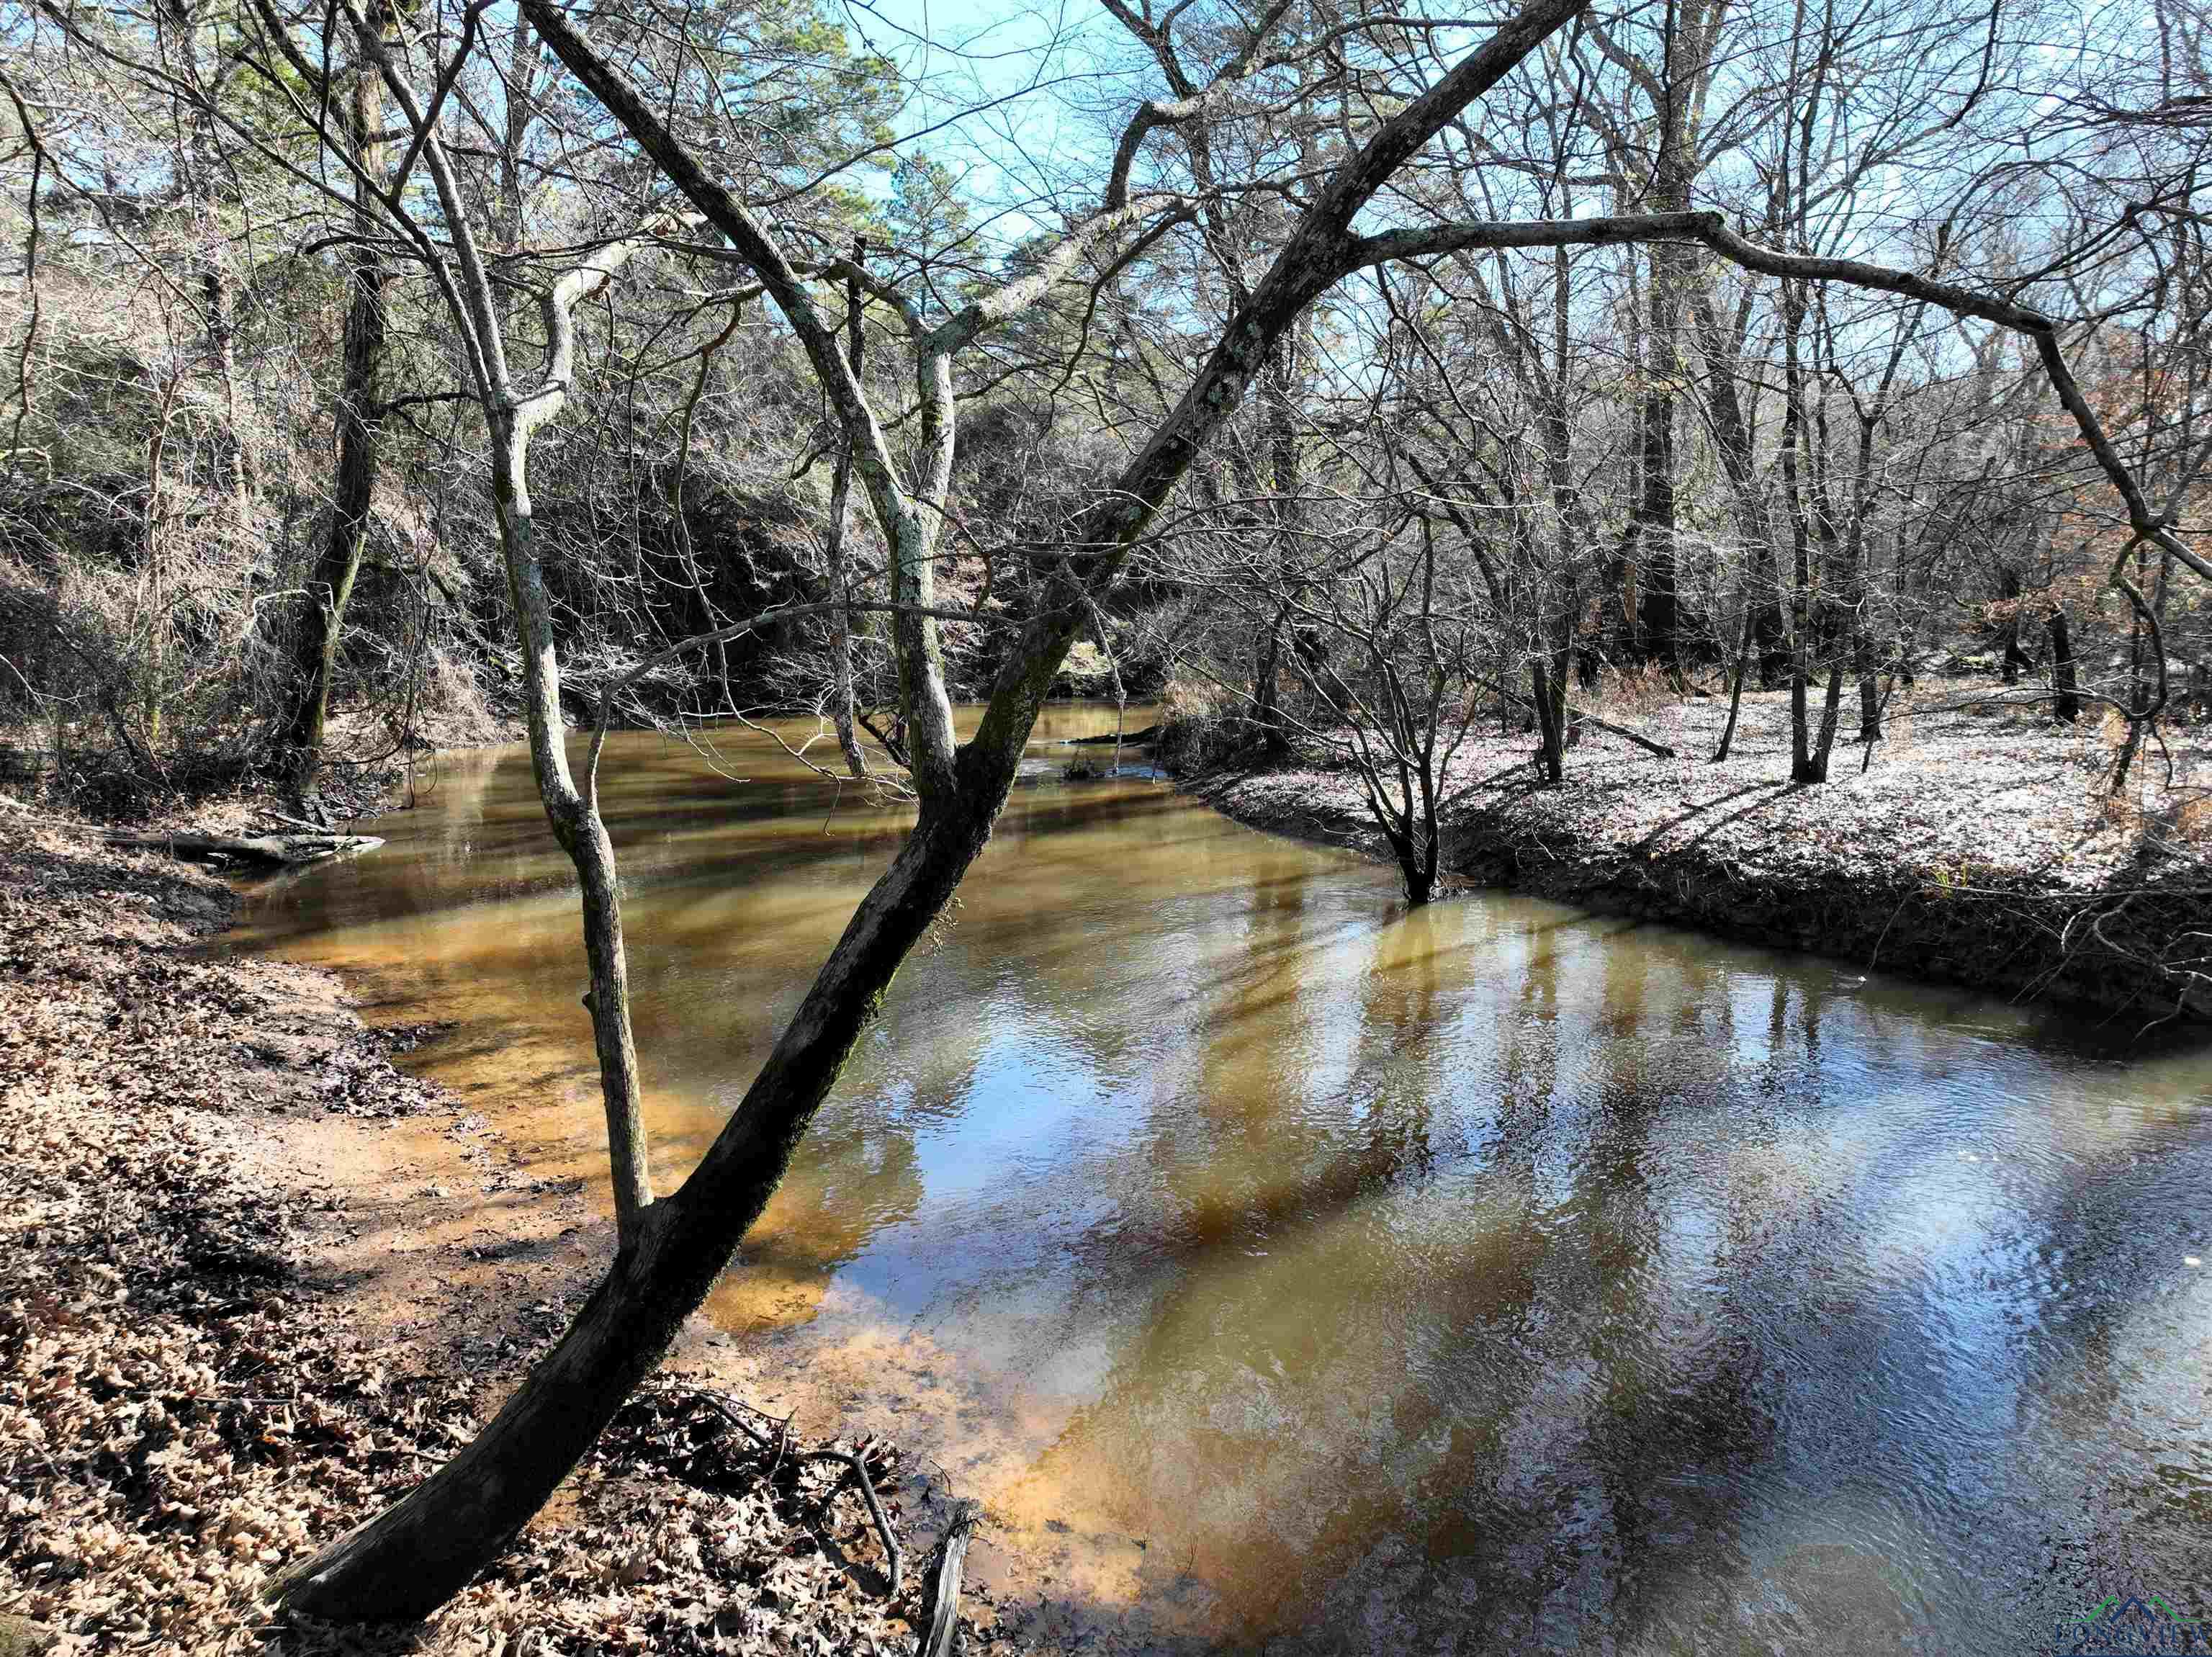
(1302, 1272)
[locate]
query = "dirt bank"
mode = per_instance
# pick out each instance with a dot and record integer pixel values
(243, 1303)
(1976, 848)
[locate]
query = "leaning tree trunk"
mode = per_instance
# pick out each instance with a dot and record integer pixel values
(1736, 686)
(422, 1550)
(420, 1553)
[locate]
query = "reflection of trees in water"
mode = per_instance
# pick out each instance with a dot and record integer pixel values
(2103, 1416)
(861, 1173)
(1359, 1369)
(1408, 1283)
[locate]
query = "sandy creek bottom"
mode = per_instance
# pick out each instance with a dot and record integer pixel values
(1287, 1270)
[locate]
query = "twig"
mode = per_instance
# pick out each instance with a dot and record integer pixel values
(855, 1466)
(723, 1408)
(1886, 925)
(859, 1469)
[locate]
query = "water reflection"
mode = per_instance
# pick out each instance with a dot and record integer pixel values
(1314, 1274)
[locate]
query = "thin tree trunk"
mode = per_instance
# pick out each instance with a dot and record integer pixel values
(840, 580)
(360, 437)
(1550, 755)
(2063, 678)
(1802, 769)
(573, 814)
(1658, 605)
(1855, 584)
(2008, 588)
(1279, 400)
(1732, 438)
(1658, 632)
(1736, 687)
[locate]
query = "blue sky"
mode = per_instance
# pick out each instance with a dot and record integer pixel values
(1012, 80)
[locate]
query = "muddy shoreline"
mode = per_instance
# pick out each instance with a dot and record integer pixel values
(1978, 853)
(258, 1280)
(243, 1305)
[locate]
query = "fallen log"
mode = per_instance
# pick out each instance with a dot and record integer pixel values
(1133, 739)
(1583, 714)
(277, 850)
(944, 1619)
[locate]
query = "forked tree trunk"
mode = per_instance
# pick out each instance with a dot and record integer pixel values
(422, 1551)
(1830, 707)
(427, 1547)
(511, 419)
(1551, 751)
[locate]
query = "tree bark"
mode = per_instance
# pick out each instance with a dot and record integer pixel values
(1736, 685)
(420, 1552)
(2062, 675)
(360, 419)
(840, 559)
(1802, 766)
(1732, 437)
(1278, 398)
(2008, 588)
(1551, 751)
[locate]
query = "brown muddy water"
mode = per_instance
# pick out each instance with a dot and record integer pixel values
(1290, 1271)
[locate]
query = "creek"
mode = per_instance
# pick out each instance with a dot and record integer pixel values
(1287, 1270)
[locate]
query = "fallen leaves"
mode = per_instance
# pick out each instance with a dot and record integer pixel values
(1971, 849)
(186, 1412)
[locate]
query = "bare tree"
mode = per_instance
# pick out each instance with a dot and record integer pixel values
(360, 420)
(424, 1549)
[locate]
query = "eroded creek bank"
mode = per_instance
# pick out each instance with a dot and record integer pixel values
(1980, 846)
(1287, 1271)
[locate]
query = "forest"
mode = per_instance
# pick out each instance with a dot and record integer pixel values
(1387, 401)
